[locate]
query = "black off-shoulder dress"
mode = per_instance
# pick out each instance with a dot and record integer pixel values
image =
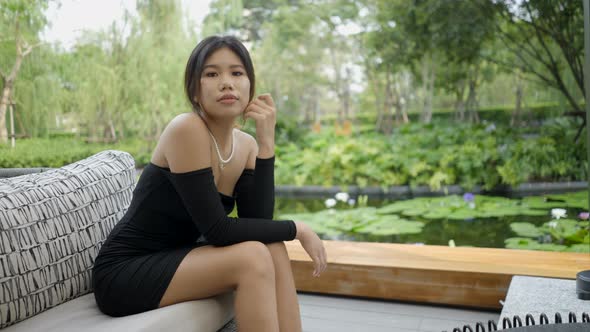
(169, 215)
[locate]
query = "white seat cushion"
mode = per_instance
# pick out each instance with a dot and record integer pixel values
(82, 314)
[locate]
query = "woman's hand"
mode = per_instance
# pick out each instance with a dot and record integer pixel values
(262, 110)
(313, 246)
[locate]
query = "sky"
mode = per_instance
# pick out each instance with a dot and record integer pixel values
(74, 16)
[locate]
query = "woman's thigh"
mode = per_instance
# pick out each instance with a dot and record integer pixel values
(208, 271)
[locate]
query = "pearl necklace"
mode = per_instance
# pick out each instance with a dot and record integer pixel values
(222, 162)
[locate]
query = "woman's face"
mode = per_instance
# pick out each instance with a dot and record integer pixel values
(225, 87)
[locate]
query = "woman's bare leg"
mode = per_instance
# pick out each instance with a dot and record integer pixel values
(246, 267)
(287, 301)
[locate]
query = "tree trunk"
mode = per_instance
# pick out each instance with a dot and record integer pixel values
(378, 103)
(430, 92)
(346, 94)
(9, 80)
(516, 114)
(317, 117)
(460, 102)
(404, 86)
(424, 86)
(472, 103)
(307, 113)
(428, 77)
(6, 92)
(400, 113)
(387, 123)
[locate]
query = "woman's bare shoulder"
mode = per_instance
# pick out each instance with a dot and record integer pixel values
(184, 143)
(185, 121)
(249, 142)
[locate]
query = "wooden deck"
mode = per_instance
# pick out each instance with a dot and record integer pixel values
(457, 276)
(321, 313)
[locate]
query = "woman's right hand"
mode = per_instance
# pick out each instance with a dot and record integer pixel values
(314, 247)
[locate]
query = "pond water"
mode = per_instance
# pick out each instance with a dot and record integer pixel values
(490, 232)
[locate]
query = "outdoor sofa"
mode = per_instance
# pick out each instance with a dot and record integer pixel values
(52, 225)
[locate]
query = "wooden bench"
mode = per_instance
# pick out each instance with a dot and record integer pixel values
(472, 277)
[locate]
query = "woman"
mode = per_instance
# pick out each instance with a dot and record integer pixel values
(176, 242)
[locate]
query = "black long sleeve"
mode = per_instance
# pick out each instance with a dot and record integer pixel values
(255, 190)
(201, 199)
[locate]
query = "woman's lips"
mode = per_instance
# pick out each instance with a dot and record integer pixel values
(228, 100)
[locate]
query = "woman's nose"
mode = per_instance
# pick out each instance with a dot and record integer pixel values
(226, 83)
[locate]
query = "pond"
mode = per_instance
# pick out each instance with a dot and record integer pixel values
(479, 221)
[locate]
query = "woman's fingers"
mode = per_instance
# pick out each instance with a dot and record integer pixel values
(325, 258)
(254, 115)
(320, 262)
(261, 105)
(252, 107)
(267, 98)
(318, 266)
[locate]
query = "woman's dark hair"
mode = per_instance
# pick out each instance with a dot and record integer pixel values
(196, 61)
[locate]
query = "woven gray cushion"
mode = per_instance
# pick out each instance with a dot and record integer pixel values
(52, 225)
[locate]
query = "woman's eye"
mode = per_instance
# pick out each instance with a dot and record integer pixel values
(210, 74)
(238, 73)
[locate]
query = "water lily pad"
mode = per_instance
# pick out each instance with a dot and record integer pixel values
(313, 220)
(540, 202)
(572, 200)
(415, 212)
(525, 229)
(441, 213)
(534, 212)
(585, 248)
(456, 208)
(551, 247)
(521, 243)
(400, 206)
(561, 229)
(462, 214)
(391, 226)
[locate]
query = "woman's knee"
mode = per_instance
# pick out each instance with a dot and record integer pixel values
(256, 259)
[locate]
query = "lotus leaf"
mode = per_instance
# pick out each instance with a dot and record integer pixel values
(525, 229)
(391, 226)
(573, 200)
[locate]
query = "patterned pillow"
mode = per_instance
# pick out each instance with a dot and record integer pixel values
(52, 225)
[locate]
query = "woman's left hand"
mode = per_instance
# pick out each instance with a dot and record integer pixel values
(262, 110)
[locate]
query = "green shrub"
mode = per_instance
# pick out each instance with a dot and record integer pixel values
(436, 154)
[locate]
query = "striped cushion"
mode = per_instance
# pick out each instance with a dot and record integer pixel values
(52, 225)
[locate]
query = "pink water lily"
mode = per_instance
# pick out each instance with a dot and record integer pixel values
(584, 215)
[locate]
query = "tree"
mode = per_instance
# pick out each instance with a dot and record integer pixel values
(21, 21)
(546, 39)
(292, 43)
(460, 31)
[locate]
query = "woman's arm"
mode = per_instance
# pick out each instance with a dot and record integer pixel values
(199, 195)
(263, 111)
(186, 148)
(255, 189)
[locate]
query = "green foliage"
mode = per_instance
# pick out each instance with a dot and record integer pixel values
(436, 155)
(51, 152)
(473, 221)
(547, 157)
(364, 220)
(455, 207)
(555, 235)
(525, 229)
